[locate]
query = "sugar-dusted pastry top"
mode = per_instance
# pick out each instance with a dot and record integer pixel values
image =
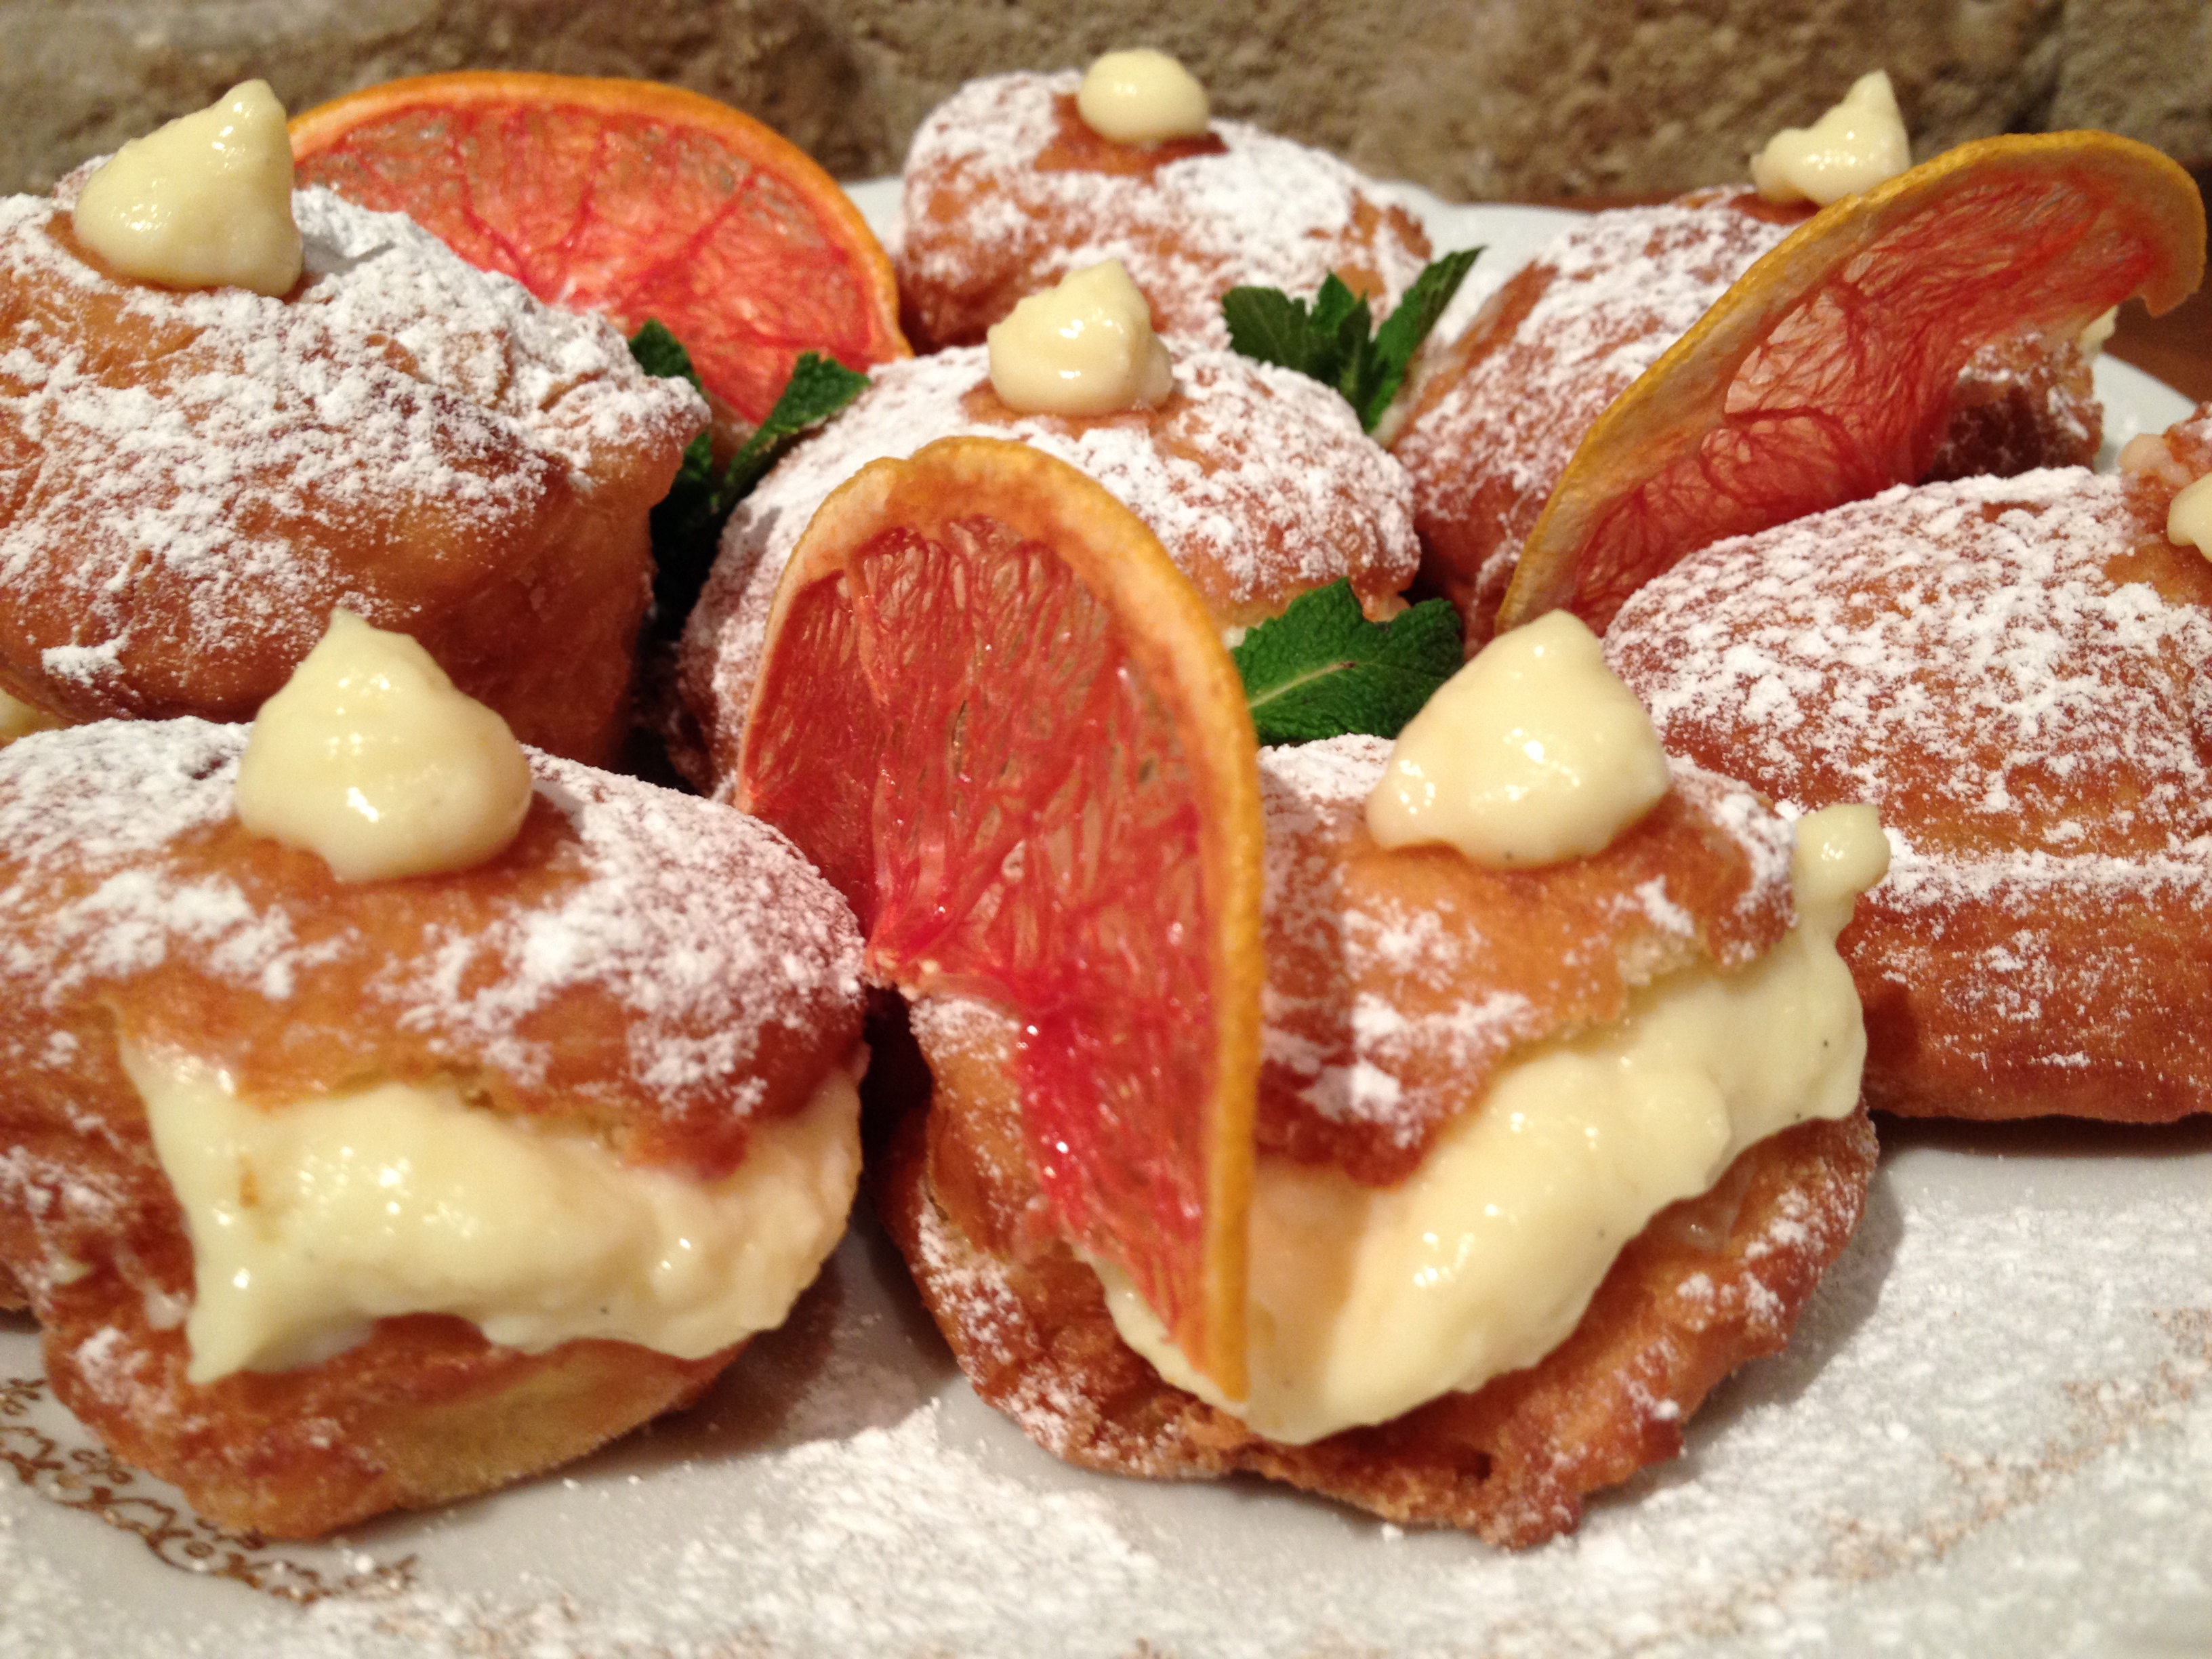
(656, 968)
(2015, 673)
(1496, 413)
(1399, 981)
(1257, 480)
(2007, 667)
(205, 473)
(1008, 191)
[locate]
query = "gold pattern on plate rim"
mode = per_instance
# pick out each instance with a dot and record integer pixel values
(88, 1479)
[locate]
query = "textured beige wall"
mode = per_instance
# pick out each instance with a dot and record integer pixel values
(1475, 98)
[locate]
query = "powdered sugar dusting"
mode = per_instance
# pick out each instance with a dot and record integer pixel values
(1381, 1012)
(1498, 415)
(705, 926)
(1264, 210)
(1957, 650)
(1925, 1469)
(1257, 481)
(239, 455)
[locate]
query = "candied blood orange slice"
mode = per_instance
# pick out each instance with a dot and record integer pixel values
(628, 198)
(1823, 375)
(999, 718)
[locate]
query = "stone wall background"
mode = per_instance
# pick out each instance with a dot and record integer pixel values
(1476, 98)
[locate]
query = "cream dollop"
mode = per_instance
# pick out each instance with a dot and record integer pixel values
(1854, 147)
(1367, 1301)
(1084, 347)
(371, 758)
(1533, 753)
(1142, 97)
(205, 202)
(2189, 519)
(310, 1219)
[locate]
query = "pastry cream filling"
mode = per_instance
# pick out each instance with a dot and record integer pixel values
(2098, 330)
(372, 759)
(2189, 519)
(1854, 147)
(312, 1219)
(205, 202)
(1531, 753)
(1366, 1302)
(1142, 97)
(19, 719)
(1084, 347)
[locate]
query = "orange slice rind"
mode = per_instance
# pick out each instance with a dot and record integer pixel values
(627, 198)
(1002, 722)
(1821, 376)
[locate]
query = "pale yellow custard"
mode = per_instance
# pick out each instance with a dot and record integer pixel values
(1366, 1302)
(1085, 346)
(310, 1219)
(19, 719)
(1855, 146)
(372, 759)
(2189, 519)
(205, 202)
(1531, 753)
(1142, 97)
(2098, 330)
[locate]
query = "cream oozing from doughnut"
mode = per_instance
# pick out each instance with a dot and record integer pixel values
(310, 1219)
(1366, 1302)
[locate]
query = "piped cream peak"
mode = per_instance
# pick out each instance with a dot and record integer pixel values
(1856, 145)
(372, 759)
(205, 202)
(1533, 753)
(1142, 97)
(1084, 347)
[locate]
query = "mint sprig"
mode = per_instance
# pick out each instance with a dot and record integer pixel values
(687, 524)
(1335, 339)
(1322, 670)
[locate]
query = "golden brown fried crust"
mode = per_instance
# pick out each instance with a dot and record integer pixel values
(424, 1409)
(2121, 1024)
(1562, 946)
(2020, 404)
(1496, 414)
(2043, 942)
(525, 576)
(981, 232)
(1712, 1282)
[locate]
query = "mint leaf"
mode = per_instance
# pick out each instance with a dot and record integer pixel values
(660, 353)
(1334, 340)
(818, 387)
(687, 523)
(1322, 669)
(1269, 326)
(1402, 332)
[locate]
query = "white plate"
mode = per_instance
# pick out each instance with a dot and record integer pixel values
(1993, 1434)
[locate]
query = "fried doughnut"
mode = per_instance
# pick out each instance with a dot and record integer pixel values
(2014, 672)
(1398, 985)
(191, 481)
(1008, 191)
(1257, 480)
(654, 988)
(1496, 412)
